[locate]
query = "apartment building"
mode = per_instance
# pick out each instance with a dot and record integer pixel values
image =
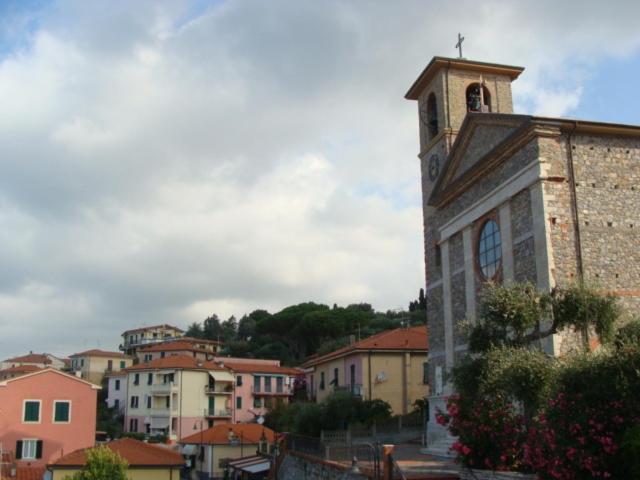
(390, 366)
(93, 365)
(117, 390)
(196, 347)
(133, 339)
(177, 395)
(46, 413)
(259, 385)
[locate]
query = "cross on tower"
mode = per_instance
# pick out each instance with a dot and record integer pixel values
(459, 44)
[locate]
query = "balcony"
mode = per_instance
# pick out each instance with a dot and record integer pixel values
(218, 389)
(261, 392)
(355, 389)
(217, 412)
(162, 412)
(163, 388)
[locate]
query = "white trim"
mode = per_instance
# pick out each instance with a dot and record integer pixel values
(24, 411)
(446, 300)
(53, 413)
(521, 180)
(469, 276)
(52, 370)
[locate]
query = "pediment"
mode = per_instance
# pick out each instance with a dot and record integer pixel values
(479, 135)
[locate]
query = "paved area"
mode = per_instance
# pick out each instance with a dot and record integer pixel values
(416, 465)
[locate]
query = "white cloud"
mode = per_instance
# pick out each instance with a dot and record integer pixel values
(163, 163)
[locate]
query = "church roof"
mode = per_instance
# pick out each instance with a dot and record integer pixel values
(437, 63)
(454, 179)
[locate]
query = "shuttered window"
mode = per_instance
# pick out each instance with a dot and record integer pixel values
(61, 412)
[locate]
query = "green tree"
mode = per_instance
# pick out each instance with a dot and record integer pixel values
(102, 464)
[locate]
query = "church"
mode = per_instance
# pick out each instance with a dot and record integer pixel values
(515, 198)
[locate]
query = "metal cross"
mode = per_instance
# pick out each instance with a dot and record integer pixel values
(459, 44)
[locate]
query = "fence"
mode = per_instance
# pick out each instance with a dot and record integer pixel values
(368, 455)
(400, 429)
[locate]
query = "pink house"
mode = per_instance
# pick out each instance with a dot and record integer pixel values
(46, 414)
(260, 385)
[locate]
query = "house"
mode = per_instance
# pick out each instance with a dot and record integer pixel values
(117, 390)
(516, 198)
(13, 372)
(140, 337)
(389, 366)
(209, 451)
(46, 413)
(41, 360)
(146, 461)
(196, 347)
(175, 394)
(260, 384)
(92, 365)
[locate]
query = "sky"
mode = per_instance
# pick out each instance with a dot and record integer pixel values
(161, 161)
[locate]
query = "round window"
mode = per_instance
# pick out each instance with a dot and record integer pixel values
(489, 249)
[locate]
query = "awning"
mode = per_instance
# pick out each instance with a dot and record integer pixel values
(253, 464)
(189, 449)
(220, 376)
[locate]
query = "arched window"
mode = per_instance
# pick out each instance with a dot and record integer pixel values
(489, 249)
(432, 116)
(478, 100)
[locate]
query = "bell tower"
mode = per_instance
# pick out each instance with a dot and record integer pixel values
(448, 89)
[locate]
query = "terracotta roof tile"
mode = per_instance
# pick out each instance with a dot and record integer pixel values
(30, 358)
(19, 370)
(414, 338)
(99, 353)
(135, 452)
(250, 433)
(177, 361)
(242, 367)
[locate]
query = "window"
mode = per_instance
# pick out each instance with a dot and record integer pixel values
(257, 402)
(147, 428)
(149, 401)
(161, 354)
(149, 378)
(478, 99)
(136, 379)
(425, 373)
(134, 401)
(321, 380)
(116, 404)
(82, 362)
(256, 383)
(122, 364)
(29, 449)
(61, 411)
(279, 384)
(239, 380)
(432, 116)
(168, 402)
(267, 384)
(335, 381)
(133, 425)
(489, 249)
(238, 403)
(31, 411)
(352, 375)
(117, 384)
(109, 365)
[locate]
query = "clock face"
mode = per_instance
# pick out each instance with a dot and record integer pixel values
(434, 167)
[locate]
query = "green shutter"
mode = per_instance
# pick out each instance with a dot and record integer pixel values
(32, 411)
(61, 412)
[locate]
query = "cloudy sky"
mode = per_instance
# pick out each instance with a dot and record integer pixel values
(161, 161)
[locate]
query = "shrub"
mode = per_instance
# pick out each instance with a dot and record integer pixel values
(102, 464)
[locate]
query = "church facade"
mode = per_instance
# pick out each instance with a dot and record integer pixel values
(515, 198)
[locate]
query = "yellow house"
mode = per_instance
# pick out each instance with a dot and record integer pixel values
(390, 366)
(146, 461)
(92, 365)
(209, 451)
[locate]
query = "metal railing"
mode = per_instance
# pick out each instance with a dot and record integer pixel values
(218, 389)
(217, 412)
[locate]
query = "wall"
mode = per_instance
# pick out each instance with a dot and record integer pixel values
(132, 473)
(57, 437)
(114, 394)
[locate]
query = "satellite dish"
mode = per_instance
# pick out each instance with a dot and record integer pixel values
(260, 420)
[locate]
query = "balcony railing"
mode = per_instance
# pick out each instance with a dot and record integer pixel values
(273, 391)
(163, 388)
(218, 390)
(217, 412)
(355, 389)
